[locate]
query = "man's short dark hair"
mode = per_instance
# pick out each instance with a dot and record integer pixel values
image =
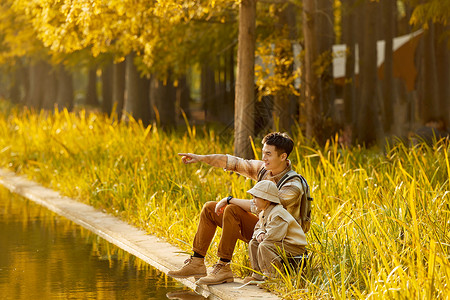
(282, 142)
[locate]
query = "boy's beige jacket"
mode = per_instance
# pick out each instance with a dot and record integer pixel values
(279, 226)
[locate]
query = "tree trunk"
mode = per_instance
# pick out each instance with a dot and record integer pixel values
(184, 96)
(311, 88)
(137, 102)
(389, 8)
(325, 34)
(107, 88)
(91, 90)
(368, 125)
(38, 75)
(19, 84)
(430, 98)
(50, 89)
(245, 90)
(163, 97)
(443, 72)
(65, 95)
(284, 101)
(118, 95)
(350, 78)
(208, 93)
(227, 114)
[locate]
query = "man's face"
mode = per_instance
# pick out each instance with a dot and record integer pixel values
(271, 159)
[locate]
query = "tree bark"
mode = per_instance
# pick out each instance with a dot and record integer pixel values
(311, 88)
(350, 78)
(65, 94)
(91, 89)
(245, 91)
(118, 94)
(443, 72)
(19, 84)
(227, 113)
(39, 72)
(107, 88)
(50, 89)
(137, 102)
(368, 125)
(389, 8)
(325, 34)
(163, 97)
(184, 96)
(208, 93)
(430, 97)
(284, 100)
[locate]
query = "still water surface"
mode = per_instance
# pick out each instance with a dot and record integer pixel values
(46, 256)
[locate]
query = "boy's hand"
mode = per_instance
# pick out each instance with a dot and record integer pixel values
(220, 206)
(189, 158)
(261, 237)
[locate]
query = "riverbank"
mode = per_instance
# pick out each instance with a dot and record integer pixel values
(156, 252)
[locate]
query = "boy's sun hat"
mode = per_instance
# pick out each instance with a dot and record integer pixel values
(266, 190)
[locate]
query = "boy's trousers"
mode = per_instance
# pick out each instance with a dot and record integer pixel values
(264, 254)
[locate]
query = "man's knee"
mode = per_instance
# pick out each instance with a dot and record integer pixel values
(233, 209)
(209, 206)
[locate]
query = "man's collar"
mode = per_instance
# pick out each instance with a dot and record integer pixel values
(281, 174)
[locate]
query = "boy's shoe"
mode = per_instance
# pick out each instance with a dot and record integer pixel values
(193, 267)
(221, 273)
(254, 279)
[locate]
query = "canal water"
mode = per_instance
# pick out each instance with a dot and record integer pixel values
(46, 256)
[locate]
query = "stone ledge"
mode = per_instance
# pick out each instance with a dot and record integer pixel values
(156, 252)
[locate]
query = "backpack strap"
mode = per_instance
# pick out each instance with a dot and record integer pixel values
(292, 174)
(261, 174)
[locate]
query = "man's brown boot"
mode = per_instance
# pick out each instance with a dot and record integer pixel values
(193, 267)
(221, 273)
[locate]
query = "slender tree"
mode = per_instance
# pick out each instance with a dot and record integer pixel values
(389, 8)
(137, 103)
(311, 80)
(245, 89)
(349, 21)
(369, 130)
(118, 93)
(107, 88)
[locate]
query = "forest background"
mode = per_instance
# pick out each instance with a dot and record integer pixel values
(155, 61)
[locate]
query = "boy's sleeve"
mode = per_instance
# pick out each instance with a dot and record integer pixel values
(246, 167)
(258, 230)
(276, 230)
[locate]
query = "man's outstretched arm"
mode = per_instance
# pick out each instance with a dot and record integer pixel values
(215, 160)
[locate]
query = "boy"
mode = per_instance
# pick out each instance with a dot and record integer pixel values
(276, 229)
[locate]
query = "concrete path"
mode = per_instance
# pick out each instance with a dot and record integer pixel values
(152, 250)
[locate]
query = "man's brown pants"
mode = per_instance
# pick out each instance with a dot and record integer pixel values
(235, 222)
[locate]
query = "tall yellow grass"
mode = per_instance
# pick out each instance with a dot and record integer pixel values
(381, 221)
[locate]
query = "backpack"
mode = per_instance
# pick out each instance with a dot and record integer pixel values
(305, 201)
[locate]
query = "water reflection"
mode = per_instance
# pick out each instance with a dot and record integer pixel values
(43, 256)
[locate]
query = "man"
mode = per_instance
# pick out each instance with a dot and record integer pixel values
(234, 215)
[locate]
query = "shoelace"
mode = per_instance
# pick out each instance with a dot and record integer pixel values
(217, 268)
(188, 261)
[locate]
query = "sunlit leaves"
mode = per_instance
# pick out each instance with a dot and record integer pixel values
(437, 11)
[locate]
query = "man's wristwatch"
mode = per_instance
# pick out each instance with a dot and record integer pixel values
(229, 199)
